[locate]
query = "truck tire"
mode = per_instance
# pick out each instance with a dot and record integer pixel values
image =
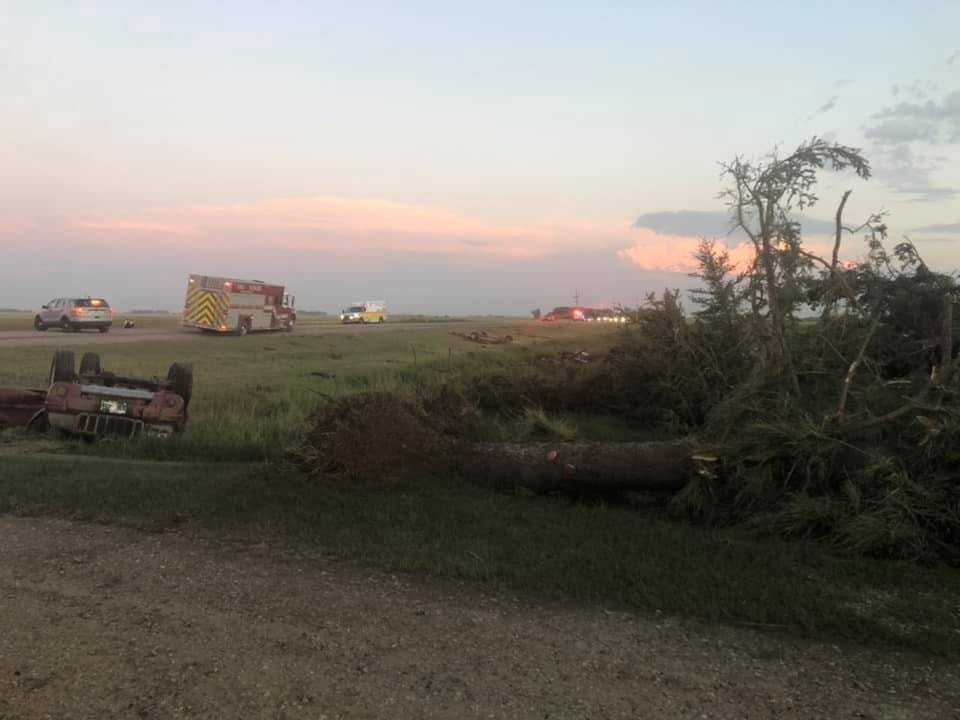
(62, 366)
(39, 324)
(65, 324)
(243, 328)
(39, 423)
(291, 323)
(104, 329)
(90, 364)
(180, 378)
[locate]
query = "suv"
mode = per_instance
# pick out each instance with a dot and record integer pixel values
(72, 314)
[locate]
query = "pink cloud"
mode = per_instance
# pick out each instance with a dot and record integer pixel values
(675, 253)
(344, 225)
(655, 251)
(9, 227)
(348, 226)
(137, 226)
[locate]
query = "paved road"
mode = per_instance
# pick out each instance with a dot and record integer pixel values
(106, 622)
(19, 338)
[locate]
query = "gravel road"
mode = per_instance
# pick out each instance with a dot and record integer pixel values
(108, 622)
(56, 337)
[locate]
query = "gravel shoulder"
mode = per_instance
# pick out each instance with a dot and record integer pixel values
(110, 622)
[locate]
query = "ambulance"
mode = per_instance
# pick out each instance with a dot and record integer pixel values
(368, 311)
(235, 306)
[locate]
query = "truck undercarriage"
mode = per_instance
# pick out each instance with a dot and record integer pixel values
(94, 403)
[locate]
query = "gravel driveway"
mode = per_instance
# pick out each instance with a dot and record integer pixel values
(108, 622)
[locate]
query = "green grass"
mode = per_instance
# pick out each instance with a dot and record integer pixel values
(588, 552)
(252, 395)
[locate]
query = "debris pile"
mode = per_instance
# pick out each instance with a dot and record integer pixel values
(370, 438)
(484, 338)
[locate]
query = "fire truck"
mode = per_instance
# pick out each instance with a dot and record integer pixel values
(234, 306)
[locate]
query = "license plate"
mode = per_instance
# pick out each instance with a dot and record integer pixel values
(113, 407)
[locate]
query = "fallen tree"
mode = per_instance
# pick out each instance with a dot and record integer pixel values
(375, 437)
(577, 467)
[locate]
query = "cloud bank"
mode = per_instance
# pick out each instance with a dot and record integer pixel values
(906, 134)
(361, 228)
(328, 250)
(423, 258)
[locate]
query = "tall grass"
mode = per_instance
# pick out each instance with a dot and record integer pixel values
(252, 395)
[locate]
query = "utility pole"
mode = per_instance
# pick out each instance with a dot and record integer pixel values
(576, 298)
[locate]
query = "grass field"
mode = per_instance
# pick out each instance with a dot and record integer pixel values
(253, 394)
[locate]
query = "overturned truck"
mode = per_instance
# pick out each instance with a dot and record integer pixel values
(95, 403)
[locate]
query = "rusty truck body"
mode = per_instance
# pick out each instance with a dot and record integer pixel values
(94, 403)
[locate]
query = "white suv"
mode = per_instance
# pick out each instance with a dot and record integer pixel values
(72, 314)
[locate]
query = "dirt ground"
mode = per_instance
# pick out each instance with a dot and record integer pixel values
(107, 622)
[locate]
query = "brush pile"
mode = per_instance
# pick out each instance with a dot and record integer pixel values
(841, 426)
(371, 438)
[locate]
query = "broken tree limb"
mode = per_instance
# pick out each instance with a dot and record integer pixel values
(585, 467)
(840, 415)
(946, 368)
(484, 338)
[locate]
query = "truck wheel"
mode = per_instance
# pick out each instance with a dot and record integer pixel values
(104, 329)
(62, 366)
(40, 423)
(90, 364)
(65, 324)
(180, 378)
(290, 324)
(39, 324)
(380, 319)
(244, 328)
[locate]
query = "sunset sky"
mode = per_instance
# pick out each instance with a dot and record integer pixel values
(446, 157)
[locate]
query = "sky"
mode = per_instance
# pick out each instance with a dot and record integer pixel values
(451, 158)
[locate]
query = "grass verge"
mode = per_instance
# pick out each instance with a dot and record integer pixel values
(589, 552)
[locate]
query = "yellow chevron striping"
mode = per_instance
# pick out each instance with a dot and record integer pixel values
(206, 307)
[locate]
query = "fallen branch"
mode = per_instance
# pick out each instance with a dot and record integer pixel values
(870, 423)
(945, 371)
(484, 338)
(839, 416)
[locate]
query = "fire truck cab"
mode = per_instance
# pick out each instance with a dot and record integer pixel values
(229, 305)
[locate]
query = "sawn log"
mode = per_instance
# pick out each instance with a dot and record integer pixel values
(587, 467)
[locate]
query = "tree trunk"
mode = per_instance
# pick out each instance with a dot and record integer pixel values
(946, 370)
(589, 467)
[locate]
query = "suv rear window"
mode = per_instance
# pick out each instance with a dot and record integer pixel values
(91, 302)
